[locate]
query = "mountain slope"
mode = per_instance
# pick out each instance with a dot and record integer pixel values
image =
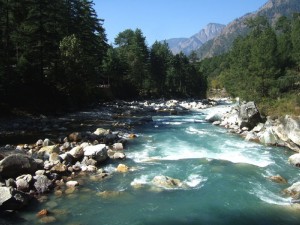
(187, 45)
(273, 9)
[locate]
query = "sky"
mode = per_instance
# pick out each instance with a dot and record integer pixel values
(165, 19)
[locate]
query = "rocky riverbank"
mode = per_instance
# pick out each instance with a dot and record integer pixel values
(29, 171)
(246, 120)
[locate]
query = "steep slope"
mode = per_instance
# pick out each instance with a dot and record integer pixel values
(187, 45)
(273, 9)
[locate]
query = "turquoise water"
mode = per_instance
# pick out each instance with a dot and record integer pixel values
(226, 181)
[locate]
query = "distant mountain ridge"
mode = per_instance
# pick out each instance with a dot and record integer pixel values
(187, 45)
(272, 9)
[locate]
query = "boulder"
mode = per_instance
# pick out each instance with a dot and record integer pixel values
(295, 159)
(77, 152)
(42, 184)
(122, 168)
(45, 152)
(101, 132)
(268, 137)
(278, 179)
(118, 146)
(214, 116)
(249, 115)
(119, 155)
(11, 199)
(166, 182)
(22, 185)
(96, 152)
(17, 164)
(59, 168)
(293, 191)
(72, 183)
(75, 136)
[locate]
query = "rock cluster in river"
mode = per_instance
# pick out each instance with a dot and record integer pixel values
(246, 120)
(45, 166)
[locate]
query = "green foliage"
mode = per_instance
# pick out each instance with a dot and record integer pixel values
(262, 66)
(49, 47)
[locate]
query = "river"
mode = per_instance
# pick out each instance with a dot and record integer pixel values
(226, 181)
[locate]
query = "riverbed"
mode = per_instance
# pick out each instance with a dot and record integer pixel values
(226, 180)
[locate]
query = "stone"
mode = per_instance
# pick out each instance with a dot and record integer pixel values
(46, 142)
(42, 184)
(43, 212)
(75, 136)
(268, 137)
(119, 155)
(132, 136)
(293, 191)
(77, 152)
(40, 172)
(70, 190)
(59, 168)
(258, 127)
(54, 157)
(278, 179)
(72, 183)
(96, 152)
(11, 199)
(24, 182)
(122, 168)
(39, 142)
(10, 182)
(101, 132)
(17, 164)
(249, 115)
(214, 116)
(166, 182)
(295, 159)
(118, 146)
(45, 152)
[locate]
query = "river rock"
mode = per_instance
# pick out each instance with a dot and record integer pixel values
(17, 164)
(11, 199)
(72, 183)
(268, 137)
(293, 191)
(295, 159)
(249, 115)
(59, 168)
(22, 185)
(101, 132)
(75, 136)
(122, 168)
(45, 152)
(54, 157)
(166, 182)
(118, 146)
(119, 155)
(278, 179)
(96, 152)
(42, 184)
(77, 152)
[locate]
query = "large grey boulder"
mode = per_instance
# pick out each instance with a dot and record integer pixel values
(96, 152)
(11, 199)
(249, 115)
(42, 184)
(17, 164)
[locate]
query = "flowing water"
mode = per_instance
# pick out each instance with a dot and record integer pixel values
(226, 181)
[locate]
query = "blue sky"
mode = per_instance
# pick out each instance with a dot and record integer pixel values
(164, 19)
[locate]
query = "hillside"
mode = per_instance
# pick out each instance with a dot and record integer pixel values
(187, 45)
(273, 9)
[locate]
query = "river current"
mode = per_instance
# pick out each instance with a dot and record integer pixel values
(226, 180)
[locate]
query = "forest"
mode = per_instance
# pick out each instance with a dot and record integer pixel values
(54, 55)
(263, 66)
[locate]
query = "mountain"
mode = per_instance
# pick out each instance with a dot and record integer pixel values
(273, 9)
(187, 45)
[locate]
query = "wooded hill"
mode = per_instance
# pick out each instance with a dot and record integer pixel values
(263, 66)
